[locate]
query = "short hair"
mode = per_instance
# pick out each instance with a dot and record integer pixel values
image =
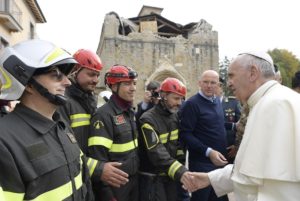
(153, 85)
(265, 66)
(296, 80)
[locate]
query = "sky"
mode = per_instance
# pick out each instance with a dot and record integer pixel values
(242, 25)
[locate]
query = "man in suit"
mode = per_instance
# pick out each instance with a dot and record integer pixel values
(232, 113)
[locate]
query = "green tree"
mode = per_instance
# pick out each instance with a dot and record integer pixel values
(223, 69)
(287, 62)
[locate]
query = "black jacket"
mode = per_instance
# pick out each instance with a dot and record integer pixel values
(77, 112)
(41, 159)
(113, 136)
(159, 145)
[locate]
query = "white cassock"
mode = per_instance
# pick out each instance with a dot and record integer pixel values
(267, 165)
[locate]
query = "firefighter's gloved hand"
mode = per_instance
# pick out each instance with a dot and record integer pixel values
(112, 175)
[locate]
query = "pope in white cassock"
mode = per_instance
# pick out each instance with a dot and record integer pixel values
(267, 165)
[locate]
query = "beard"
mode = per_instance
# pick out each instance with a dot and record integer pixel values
(173, 110)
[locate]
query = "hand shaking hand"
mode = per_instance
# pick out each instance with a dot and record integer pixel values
(194, 181)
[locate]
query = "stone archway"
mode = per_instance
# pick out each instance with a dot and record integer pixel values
(165, 70)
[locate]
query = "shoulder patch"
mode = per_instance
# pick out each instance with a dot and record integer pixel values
(150, 137)
(98, 124)
(119, 119)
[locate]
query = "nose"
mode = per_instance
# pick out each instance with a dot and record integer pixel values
(66, 81)
(95, 79)
(133, 87)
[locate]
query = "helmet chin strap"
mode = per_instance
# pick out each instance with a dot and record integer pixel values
(56, 99)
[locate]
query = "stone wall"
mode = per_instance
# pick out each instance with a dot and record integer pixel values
(155, 57)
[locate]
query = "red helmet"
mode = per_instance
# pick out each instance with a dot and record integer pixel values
(173, 85)
(120, 73)
(88, 59)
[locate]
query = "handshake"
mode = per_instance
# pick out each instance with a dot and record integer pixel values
(193, 181)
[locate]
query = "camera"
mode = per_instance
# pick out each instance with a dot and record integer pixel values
(154, 94)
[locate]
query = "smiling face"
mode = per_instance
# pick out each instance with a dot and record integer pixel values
(55, 81)
(126, 90)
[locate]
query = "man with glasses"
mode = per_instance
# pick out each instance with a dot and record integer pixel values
(113, 133)
(202, 131)
(40, 159)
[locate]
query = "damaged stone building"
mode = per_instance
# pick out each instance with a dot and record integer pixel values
(158, 48)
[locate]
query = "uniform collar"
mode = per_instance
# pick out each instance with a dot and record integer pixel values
(117, 108)
(121, 103)
(36, 120)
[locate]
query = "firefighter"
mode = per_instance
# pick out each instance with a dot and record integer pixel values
(113, 133)
(82, 104)
(232, 112)
(81, 98)
(40, 159)
(160, 169)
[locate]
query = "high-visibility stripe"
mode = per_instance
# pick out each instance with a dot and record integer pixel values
(102, 141)
(118, 148)
(54, 54)
(1, 194)
(179, 152)
(174, 135)
(91, 163)
(78, 181)
(77, 116)
(80, 120)
(10, 196)
(8, 82)
(61, 192)
(164, 137)
(81, 123)
(173, 168)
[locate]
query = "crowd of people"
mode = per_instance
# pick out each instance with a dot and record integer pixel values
(56, 144)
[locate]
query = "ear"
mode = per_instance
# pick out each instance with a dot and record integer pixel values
(29, 89)
(199, 83)
(163, 95)
(254, 73)
(114, 87)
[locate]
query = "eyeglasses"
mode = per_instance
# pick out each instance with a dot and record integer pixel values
(213, 83)
(56, 74)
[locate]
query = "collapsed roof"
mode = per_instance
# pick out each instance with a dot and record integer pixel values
(149, 19)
